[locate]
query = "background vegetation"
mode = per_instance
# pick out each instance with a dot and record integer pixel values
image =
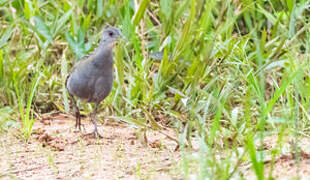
(232, 72)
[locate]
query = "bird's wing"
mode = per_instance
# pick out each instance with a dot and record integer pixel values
(84, 58)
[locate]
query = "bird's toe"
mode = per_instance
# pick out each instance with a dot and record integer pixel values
(93, 134)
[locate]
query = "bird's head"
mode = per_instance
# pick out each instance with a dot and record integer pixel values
(110, 36)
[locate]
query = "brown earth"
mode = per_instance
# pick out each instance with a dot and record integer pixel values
(56, 151)
(289, 165)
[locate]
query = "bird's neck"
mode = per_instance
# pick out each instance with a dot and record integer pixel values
(104, 55)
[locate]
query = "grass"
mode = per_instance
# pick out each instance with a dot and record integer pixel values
(27, 115)
(232, 73)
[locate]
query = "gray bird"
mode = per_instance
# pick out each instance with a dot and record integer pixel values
(92, 77)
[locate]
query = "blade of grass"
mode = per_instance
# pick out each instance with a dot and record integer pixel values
(43, 29)
(99, 6)
(28, 122)
(140, 12)
(280, 91)
(64, 73)
(5, 36)
(257, 166)
(1, 66)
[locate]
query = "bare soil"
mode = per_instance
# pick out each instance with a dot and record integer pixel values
(289, 165)
(57, 151)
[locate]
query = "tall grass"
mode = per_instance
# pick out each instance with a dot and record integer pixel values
(232, 73)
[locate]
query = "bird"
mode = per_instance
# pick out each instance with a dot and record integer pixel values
(91, 79)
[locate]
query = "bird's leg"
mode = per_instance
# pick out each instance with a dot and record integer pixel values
(93, 119)
(77, 113)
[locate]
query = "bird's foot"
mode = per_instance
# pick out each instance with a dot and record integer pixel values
(79, 128)
(94, 134)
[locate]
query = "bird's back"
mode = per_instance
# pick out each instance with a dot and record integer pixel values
(92, 78)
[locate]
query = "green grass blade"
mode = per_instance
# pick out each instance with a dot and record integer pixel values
(280, 91)
(43, 29)
(1, 66)
(215, 126)
(64, 74)
(28, 9)
(29, 120)
(185, 32)
(62, 21)
(140, 12)
(75, 46)
(99, 11)
(5, 37)
(257, 166)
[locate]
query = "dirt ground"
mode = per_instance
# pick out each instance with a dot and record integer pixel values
(288, 165)
(56, 151)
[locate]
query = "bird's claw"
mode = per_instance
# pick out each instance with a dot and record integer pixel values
(95, 134)
(79, 129)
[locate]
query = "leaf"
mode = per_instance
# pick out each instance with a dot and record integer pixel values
(215, 125)
(254, 82)
(1, 66)
(268, 15)
(140, 12)
(180, 9)
(275, 120)
(90, 4)
(64, 73)
(87, 21)
(75, 46)
(257, 165)
(99, 8)
(5, 37)
(43, 29)
(3, 2)
(274, 64)
(120, 65)
(81, 36)
(185, 37)
(166, 8)
(28, 9)
(279, 91)
(234, 116)
(291, 32)
(165, 43)
(130, 120)
(60, 23)
(5, 119)
(290, 4)
(28, 121)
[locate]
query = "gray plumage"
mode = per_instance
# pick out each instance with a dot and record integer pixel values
(92, 77)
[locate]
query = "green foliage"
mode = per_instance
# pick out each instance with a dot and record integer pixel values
(140, 12)
(26, 115)
(232, 73)
(6, 118)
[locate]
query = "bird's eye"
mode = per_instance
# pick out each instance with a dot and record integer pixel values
(110, 33)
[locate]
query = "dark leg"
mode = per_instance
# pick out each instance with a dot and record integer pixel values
(93, 119)
(77, 113)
